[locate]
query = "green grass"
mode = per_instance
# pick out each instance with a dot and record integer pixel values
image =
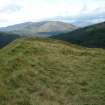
(49, 72)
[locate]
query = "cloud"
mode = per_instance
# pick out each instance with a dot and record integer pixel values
(10, 8)
(17, 11)
(82, 20)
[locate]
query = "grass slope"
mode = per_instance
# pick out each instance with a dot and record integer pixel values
(91, 36)
(50, 72)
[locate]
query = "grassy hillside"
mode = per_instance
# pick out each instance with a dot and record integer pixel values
(91, 36)
(49, 72)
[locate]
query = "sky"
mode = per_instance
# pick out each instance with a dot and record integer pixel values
(74, 11)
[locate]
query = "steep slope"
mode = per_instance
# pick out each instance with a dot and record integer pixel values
(92, 36)
(6, 38)
(50, 72)
(44, 28)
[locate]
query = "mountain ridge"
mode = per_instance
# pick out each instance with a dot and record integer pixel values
(33, 29)
(38, 28)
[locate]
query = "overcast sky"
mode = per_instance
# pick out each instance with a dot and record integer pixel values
(18, 11)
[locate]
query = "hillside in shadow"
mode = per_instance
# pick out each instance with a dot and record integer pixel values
(91, 36)
(6, 38)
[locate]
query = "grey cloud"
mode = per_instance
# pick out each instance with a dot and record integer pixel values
(10, 8)
(84, 19)
(90, 19)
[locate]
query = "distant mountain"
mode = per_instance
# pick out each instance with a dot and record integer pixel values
(91, 36)
(44, 28)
